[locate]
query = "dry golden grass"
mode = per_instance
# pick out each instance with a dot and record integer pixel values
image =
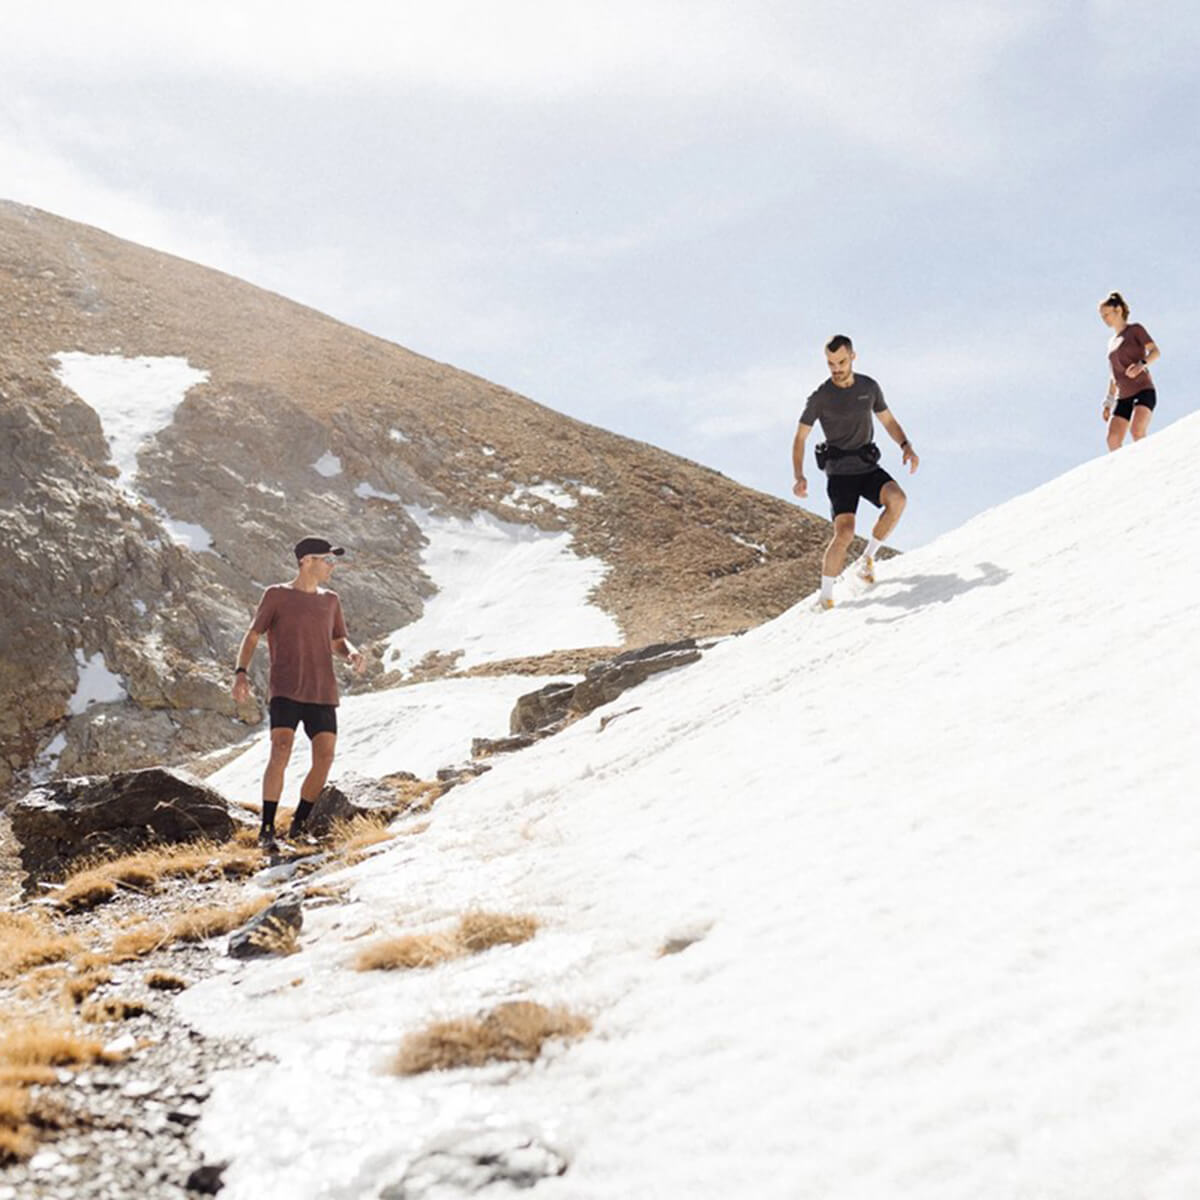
(112, 1008)
(79, 987)
(479, 931)
(415, 795)
(27, 1052)
(26, 1075)
(15, 1144)
(409, 952)
(164, 981)
(212, 922)
(133, 944)
(475, 932)
(34, 1045)
(358, 834)
(41, 983)
(28, 940)
(512, 1032)
(14, 1106)
(99, 882)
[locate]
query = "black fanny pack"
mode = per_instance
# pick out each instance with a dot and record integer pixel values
(826, 453)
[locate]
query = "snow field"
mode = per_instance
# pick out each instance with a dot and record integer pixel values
(941, 845)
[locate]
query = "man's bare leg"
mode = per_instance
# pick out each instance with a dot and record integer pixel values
(281, 753)
(322, 759)
(835, 555)
(893, 499)
(272, 784)
(323, 746)
(839, 544)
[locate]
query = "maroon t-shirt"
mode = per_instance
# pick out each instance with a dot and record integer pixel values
(301, 628)
(1125, 349)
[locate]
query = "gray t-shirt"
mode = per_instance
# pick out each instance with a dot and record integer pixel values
(846, 420)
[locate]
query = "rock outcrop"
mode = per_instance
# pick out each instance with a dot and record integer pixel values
(61, 823)
(546, 710)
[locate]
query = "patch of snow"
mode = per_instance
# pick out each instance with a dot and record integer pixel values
(328, 465)
(586, 489)
(267, 490)
(139, 606)
(133, 397)
(398, 435)
(940, 869)
(488, 450)
(504, 591)
(186, 533)
(741, 541)
(365, 491)
(549, 492)
(97, 684)
(46, 763)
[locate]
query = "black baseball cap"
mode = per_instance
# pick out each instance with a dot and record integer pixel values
(312, 545)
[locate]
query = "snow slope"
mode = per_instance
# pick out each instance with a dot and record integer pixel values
(941, 852)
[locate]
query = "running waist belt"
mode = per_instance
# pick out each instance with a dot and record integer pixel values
(827, 453)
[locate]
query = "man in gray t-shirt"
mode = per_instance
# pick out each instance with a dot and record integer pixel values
(845, 405)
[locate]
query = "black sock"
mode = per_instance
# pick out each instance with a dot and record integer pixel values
(268, 815)
(301, 813)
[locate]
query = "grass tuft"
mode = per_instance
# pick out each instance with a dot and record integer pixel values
(212, 922)
(479, 931)
(112, 1008)
(99, 881)
(28, 941)
(79, 987)
(475, 933)
(164, 981)
(512, 1032)
(408, 952)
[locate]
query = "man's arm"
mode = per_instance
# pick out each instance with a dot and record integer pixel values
(344, 648)
(241, 682)
(800, 487)
(900, 438)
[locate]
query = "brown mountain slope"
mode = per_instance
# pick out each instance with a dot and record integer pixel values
(87, 569)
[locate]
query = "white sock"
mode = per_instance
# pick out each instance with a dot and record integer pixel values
(872, 548)
(827, 582)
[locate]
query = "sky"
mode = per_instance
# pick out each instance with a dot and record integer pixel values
(652, 215)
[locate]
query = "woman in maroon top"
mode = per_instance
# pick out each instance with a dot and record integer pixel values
(1131, 396)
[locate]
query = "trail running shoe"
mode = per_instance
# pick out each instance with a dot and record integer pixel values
(267, 842)
(866, 569)
(824, 603)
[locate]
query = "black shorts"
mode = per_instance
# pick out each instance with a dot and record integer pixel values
(1147, 399)
(317, 718)
(845, 491)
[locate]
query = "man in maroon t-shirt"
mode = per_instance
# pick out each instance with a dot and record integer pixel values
(304, 626)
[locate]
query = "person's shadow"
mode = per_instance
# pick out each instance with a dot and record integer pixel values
(922, 591)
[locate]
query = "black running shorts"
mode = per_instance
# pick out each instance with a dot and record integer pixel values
(317, 718)
(845, 491)
(1147, 399)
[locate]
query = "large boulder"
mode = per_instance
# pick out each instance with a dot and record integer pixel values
(59, 823)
